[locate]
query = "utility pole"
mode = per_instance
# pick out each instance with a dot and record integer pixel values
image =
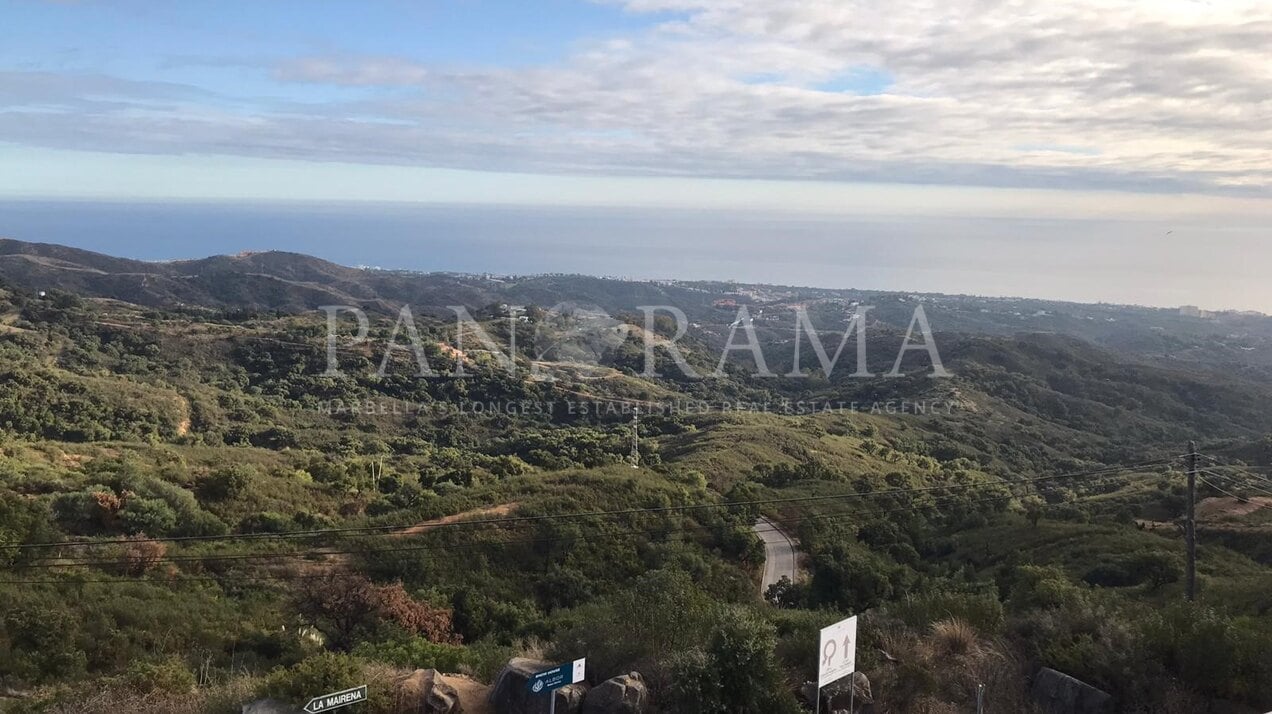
(1190, 522)
(636, 438)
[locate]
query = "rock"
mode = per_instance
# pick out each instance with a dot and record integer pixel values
(268, 706)
(442, 700)
(570, 698)
(424, 692)
(838, 695)
(511, 695)
(625, 694)
(1058, 693)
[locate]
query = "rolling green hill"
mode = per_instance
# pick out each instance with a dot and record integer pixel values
(171, 430)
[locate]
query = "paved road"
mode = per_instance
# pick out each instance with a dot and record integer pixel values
(779, 553)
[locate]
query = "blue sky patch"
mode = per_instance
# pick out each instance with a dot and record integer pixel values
(864, 81)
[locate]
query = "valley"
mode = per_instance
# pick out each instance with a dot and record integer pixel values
(196, 511)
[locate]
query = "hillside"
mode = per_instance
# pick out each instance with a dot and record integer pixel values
(290, 282)
(193, 512)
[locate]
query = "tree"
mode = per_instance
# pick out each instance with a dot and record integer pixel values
(785, 593)
(1033, 506)
(22, 521)
(851, 579)
(736, 671)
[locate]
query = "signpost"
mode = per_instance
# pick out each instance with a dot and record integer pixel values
(548, 681)
(837, 655)
(336, 700)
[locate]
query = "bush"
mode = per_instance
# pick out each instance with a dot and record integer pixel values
(22, 521)
(737, 671)
(417, 653)
(326, 672)
(150, 516)
(228, 482)
(1216, 653)
(265, 522)
(168, 675)
(1152, 568)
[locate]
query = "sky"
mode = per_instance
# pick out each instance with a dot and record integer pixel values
(985, 146)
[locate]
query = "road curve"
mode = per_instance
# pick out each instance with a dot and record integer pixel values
(779, 553)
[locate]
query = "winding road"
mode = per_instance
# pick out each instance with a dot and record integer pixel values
(779, 553)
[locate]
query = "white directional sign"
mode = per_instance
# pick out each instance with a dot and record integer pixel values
(336, 700)
(837, 656)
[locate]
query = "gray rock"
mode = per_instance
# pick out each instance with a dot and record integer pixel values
(839, 695)
(511, 695)
(424, 692)
(625, 694)
(1058, 693)
(570, 698)
(443, 700)
(269, 706)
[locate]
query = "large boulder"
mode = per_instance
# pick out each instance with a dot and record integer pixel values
(839, 696)
(570, 698)
(511, 694)
(1058, 693)
(424, 692)
(268, 706)
(625, 694)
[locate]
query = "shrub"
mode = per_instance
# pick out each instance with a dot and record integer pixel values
(1214, 652)
(265, 522)
(417, 653)
(737, 671)
(326, 672)
(351, 606)
(147, 515)
(227, 482)
(141, 555)
(167, 675)
(1155, 569)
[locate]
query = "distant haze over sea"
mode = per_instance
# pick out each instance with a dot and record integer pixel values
(1124, 261)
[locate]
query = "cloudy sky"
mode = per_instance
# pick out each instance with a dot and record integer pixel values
(1153, 112)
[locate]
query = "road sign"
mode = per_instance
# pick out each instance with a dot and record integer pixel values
(557, 677)
(336, 700)
(837, 656)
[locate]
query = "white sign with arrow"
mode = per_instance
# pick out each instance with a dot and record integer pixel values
(837, 656)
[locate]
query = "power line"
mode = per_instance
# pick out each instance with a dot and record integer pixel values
(1220, 490)
(314, 533)
(1253, 474)
(1234, 478)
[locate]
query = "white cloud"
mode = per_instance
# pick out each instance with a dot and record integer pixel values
(1161, 94)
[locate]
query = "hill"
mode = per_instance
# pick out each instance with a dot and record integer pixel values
(194, 512)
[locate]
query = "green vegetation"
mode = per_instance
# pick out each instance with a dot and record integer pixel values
(233, 523)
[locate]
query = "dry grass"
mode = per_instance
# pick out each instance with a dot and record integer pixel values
(954, 638)
(225, 697)
(532, 648)
(938, 671)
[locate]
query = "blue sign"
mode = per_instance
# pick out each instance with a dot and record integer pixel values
(560, 676)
